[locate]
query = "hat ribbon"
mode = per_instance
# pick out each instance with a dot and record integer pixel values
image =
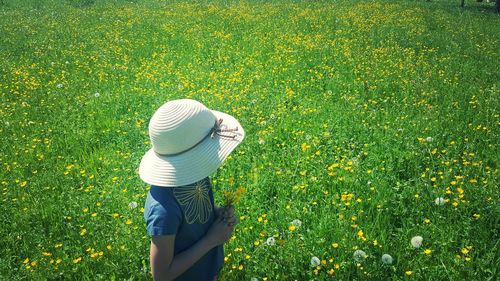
(216, 130)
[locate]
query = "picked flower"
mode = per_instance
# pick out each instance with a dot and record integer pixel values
(231, 197)
(416, 241)
(359, 255)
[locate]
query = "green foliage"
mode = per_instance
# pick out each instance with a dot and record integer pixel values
(359, 116)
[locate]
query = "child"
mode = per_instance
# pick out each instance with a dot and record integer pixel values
(189, 143)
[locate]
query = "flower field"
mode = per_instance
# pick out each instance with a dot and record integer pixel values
(372, 140)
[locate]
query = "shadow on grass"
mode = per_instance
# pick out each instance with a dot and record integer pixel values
(81, 3)
(478, 7)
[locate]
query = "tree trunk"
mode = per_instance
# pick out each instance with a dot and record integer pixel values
(463, 2)
(497, 6)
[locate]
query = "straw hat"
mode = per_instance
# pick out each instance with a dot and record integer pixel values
(189, 143)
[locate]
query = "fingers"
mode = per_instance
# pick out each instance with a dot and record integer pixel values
(226, 221)
(232, 221)
(228, 211)
(220, 219)
(227, 216)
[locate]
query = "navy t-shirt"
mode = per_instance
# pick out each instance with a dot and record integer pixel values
(186, 212)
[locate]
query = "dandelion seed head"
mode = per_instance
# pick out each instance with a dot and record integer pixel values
(297, 223)
(416, 241)
(359, 255)
(132, 205)
(439, 201)
(315, 261)
(386, 259)
(97, 94)
(429, 139)
(271, 241)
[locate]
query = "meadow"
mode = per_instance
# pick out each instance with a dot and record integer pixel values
(368, 123)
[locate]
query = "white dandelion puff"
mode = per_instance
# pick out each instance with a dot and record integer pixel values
(439, 201)
(97, 94)
(315, 261)
(297, 223)
(271, 241)
(132, 205)
(359, 255)
(386, 259)
(429, 139)
(59, 86)
(416, 241)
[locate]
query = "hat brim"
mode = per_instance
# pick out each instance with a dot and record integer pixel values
(194, 164)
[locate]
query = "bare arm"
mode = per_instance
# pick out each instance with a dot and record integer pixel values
(165, 266)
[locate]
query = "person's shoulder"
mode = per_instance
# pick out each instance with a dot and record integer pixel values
(161, 213)
(160, 200)
(159, 194)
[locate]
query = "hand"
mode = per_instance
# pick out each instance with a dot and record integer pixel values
(227, 214)
(219, 232)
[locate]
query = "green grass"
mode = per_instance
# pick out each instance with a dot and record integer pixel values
(337, 98)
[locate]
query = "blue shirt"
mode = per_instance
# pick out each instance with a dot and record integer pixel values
(186, 212)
